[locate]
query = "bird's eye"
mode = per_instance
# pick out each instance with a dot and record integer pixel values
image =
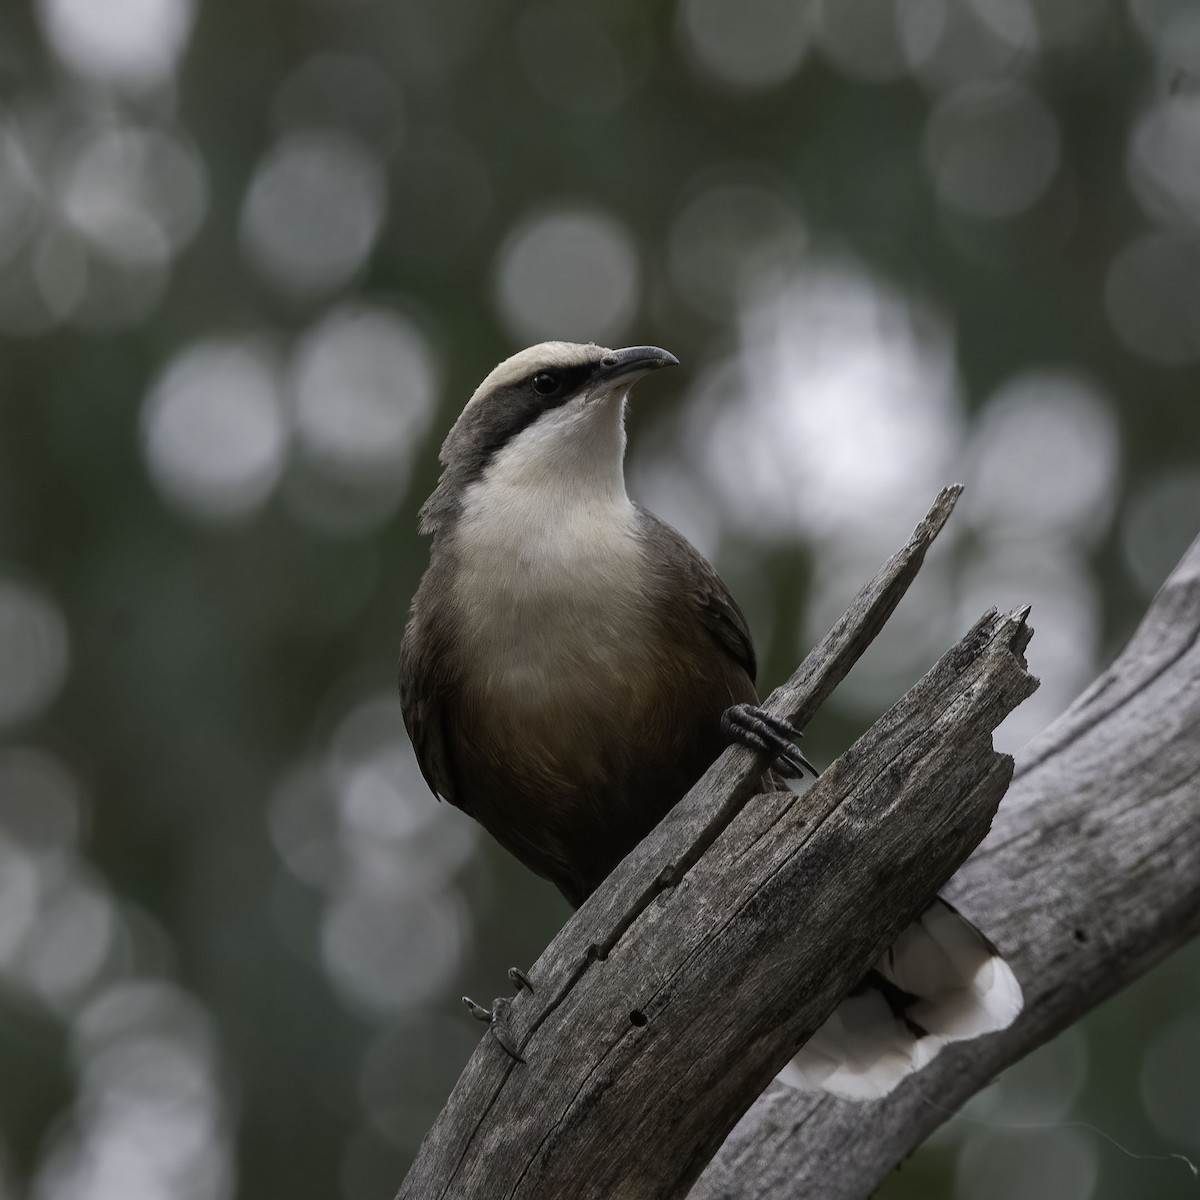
(545, 384)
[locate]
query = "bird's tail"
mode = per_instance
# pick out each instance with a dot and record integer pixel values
(942, 981)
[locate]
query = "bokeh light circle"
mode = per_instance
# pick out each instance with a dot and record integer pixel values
(214, 434)
(149, 1121)
(130, 44)
(1161, 519)
(839, 413)
(746, 44)
(20, 892)
(389, 949)
(137, 195)
(20, 193)
(1045, 453)
(33, 649)
(991, 149)
(313, 211)
(1152, 294)
(864, 39)
(364, 382)
(70, 941)
(569, 273)
(1164, 159)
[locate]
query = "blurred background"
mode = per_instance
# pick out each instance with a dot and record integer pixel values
(253, 260)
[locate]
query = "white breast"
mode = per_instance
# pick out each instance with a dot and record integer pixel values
(548, 592)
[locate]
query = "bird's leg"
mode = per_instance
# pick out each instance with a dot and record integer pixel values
(496, 1016)
(761, 730)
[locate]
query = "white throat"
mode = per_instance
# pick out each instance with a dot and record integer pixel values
(556, 488)
(577, 449)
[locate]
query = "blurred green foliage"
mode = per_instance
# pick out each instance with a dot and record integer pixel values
(253, 260)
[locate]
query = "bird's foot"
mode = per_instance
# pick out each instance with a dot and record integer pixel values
(520, 979)
(761, 730)
(497, 1016)
(497, 1021)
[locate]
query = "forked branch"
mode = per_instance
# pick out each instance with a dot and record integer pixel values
(1090, 875)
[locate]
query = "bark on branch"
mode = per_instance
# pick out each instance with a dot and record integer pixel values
(1091, 875)
(670, 1000)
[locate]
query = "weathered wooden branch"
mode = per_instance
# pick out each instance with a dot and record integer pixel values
(715, 949)
(1091, 875)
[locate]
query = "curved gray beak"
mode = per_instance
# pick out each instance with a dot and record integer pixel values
(621, 366)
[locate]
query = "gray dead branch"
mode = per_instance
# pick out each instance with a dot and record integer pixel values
(671, 999)
(1090, 876)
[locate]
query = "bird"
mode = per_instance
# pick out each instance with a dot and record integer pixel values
(571, 665)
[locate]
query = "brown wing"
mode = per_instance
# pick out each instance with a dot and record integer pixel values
(717, 610)
(424, 700)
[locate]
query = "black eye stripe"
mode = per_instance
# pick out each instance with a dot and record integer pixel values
(567, 380)
(486, 428)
